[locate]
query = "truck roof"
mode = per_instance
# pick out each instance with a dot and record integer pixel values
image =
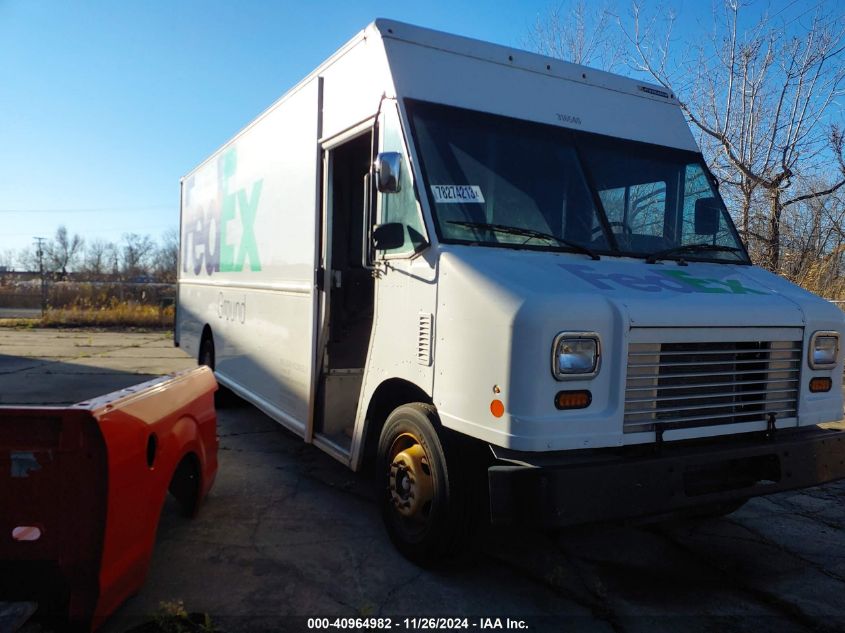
(518, 58)
(408, 61)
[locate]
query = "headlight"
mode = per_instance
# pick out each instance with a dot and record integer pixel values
(824, 349)
(576, 355)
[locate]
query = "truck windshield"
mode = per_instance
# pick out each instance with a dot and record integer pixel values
(567, 190)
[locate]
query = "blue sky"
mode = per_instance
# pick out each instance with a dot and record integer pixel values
(104, 105)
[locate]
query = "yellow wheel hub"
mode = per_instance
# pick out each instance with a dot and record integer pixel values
(411, 484)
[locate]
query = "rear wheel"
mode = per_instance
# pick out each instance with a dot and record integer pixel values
(206, 355)
(423, 491)
(223, 397)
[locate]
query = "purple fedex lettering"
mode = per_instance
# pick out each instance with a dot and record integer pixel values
(672, 280)
(588, 274)
(188, 238)
(208, 222)
(200, 237)
(212, 241)
(646, 284)
(666, 283)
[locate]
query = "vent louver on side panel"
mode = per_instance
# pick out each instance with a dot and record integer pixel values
(424, 339)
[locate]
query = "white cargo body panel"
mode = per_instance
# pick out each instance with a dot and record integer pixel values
(248, 249)
(250, 234)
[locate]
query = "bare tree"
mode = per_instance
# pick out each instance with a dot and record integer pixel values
(7, 259)
(28, 259)
(167, 256)
(136, 252)
(112, 257)
(62, 251)
(97, 261)
(578, 33)
(812, 238)
(761, 100)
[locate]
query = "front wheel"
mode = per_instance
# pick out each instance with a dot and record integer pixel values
(423, 489)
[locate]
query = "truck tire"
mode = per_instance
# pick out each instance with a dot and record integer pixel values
(423, 487)
(206, 355)
(223, 397)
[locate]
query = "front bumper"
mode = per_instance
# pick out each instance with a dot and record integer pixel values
(568, 488)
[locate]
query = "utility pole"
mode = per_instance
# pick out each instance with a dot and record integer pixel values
(39, 242)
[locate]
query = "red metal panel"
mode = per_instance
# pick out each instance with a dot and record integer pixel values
(180, 414)
(53, 478)
(92, 479)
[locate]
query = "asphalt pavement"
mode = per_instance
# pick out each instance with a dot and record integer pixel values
(288, 533)
(19, 313)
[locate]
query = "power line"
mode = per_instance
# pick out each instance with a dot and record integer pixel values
(92, 210)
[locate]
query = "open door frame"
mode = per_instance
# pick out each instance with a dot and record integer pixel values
(323, 279)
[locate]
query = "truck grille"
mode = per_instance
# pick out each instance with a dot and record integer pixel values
(681, 384)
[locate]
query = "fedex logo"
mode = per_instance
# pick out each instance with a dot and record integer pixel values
(220, 237)
(660, 280)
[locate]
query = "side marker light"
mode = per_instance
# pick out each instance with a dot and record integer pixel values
(580, 399)
(820, 385)
(497, 408)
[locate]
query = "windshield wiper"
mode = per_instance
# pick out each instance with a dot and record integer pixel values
(530, 233)
(690, 248)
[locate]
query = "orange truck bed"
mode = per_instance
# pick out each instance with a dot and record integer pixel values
(82, 488)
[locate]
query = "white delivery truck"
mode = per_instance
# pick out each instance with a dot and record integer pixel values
(505, 279)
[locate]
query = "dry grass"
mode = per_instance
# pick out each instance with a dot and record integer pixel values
(123, 315)
(20, 323)
(823, 277)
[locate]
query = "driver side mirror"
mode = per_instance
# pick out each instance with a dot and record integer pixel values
(708, 212)
(389, 236)
(387, 168)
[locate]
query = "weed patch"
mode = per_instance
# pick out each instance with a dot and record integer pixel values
(123, 315)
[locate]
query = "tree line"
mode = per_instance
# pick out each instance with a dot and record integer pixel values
(133, 257)
(763, 94)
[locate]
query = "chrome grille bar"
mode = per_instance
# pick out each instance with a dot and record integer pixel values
(713, 395)
(686, 384)
(712, 352)
(776, 381)
(710, 373)
(755, 361)
(696, 407)
(707, 420)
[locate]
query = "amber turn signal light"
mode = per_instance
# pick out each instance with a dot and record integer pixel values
(573, 399)
(497, 408)
(820, 385)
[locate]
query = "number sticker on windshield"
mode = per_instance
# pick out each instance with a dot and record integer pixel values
(457, 194)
